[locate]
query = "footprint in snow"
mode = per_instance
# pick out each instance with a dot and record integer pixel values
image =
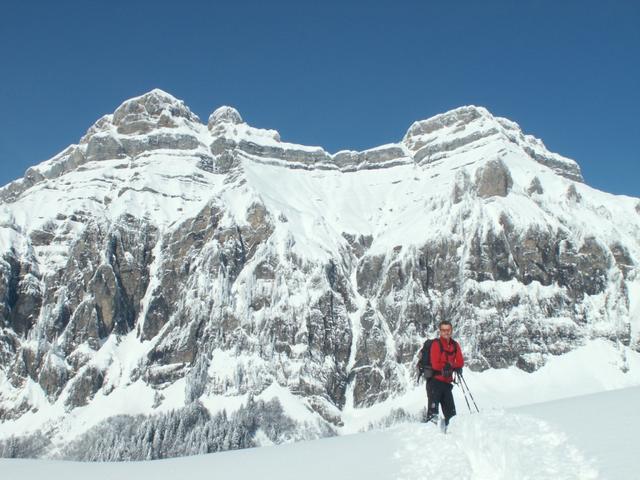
(488, 446)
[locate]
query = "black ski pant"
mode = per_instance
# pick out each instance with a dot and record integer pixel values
(440, 394)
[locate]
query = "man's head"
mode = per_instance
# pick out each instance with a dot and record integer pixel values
(445, 329)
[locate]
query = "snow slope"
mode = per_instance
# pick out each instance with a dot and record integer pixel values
(604, 426)
(553, 440)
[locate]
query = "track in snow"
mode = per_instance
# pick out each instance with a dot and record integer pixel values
(490, 446)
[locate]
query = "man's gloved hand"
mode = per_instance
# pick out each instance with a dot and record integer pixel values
(458, 370)
(447, 371)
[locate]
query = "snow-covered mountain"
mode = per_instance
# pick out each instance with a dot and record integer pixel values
(273, 291)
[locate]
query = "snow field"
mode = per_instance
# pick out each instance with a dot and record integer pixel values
(547, 441)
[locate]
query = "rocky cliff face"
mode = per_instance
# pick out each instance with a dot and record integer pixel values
(162, 262)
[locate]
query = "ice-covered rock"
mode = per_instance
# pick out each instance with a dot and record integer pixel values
(493, 178)
(224, 114)
(154, 109)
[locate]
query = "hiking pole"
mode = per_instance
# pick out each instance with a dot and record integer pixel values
(464, 393)
(470, 394)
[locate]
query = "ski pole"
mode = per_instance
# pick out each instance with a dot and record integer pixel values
(465, 396)
(470, 394)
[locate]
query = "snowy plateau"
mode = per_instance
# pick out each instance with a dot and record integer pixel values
(172, 288)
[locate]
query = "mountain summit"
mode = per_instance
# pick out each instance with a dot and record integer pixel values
(162, 265)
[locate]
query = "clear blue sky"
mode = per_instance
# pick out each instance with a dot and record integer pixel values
(343, 74)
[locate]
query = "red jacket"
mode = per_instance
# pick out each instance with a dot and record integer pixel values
(443, 351)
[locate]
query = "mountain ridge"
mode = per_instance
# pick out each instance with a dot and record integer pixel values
(137, 116)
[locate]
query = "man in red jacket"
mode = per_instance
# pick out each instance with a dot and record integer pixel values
(446, 358)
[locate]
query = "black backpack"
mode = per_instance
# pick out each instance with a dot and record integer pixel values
(424, 358)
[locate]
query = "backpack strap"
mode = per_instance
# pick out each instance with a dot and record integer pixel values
(436, 340)
(455, 347)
